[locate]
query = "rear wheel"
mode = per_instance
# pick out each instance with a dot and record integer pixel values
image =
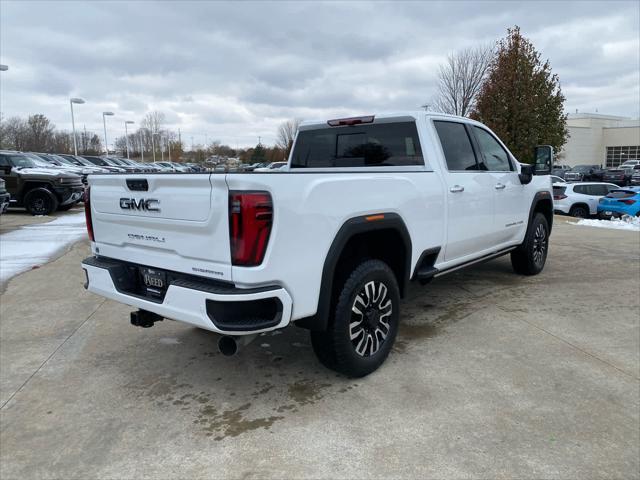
(579, 211)
(364, 324)
(530, 257)
(40, 202)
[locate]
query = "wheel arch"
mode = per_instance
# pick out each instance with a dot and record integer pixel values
(542, 203)
(383, 236)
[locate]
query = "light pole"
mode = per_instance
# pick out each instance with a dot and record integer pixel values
(126, 134)
(141, 145)
(153, 146)
(79, 101)
(162, 147)
(169, 147)
(104, 123)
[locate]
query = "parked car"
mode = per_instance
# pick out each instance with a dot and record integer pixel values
(104, 163)
(560, 170)
(580, 199)
(584, 173)
(271, 167)
(5, 197)
(630, 164)
(40, 190)
(332, 251)
(619, 176)
(635, 176)
(556, 179)
(620, 202)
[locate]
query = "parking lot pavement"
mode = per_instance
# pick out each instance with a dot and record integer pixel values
(493, 376)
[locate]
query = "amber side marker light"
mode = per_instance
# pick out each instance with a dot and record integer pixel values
(373, 218)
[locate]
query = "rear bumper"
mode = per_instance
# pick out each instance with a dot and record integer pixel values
(223, 309)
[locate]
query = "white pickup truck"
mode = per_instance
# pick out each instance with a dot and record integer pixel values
(330, 242)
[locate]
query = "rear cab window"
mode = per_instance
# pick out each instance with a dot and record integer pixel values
(456, 146)
(387, 144)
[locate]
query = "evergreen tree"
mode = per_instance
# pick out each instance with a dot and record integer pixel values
(521, 100)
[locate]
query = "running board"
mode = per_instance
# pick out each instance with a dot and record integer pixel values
(482, 259)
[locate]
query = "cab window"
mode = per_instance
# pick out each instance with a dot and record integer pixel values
(496, 158)
(456, 146)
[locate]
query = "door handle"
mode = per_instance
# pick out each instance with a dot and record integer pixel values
(500, 186)
(456, 189)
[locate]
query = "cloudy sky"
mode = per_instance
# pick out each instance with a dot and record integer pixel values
(234, 71)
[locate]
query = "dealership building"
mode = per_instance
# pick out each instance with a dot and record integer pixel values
(598, 139)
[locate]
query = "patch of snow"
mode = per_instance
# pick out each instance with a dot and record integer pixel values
(625, 223)
(34, 245)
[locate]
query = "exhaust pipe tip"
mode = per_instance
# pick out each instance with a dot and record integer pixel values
(228, 346)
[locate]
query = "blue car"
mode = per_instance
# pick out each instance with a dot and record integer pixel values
(623, 201)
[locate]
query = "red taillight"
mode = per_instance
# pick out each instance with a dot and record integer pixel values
(339, 122)
(559, 197)
(87, 212)
(628, 201)
(250, 219)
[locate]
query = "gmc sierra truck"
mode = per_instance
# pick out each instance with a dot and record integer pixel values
(330, 242)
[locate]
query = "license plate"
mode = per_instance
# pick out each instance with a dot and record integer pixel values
(153, 278)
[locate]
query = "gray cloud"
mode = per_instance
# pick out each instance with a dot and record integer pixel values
(234, 71)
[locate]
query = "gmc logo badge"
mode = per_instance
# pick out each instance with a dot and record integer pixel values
(145, 204)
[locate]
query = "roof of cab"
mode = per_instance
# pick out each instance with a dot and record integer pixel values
(390, 116)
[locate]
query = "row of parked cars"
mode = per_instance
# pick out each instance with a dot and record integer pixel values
(606, 200)
(45, 182)
(626, 174)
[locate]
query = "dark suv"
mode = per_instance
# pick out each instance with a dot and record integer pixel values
(40, 190)
(584, 173)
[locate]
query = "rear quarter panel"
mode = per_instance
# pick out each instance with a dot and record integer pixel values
(310, 208)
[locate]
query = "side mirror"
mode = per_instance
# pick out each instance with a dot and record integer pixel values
(526, 174)
(543, 155)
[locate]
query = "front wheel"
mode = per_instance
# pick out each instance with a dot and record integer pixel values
(364, 324)
(40, 202)
(530, 257)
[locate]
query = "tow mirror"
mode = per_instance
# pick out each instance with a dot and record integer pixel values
(526, 174)
(543, 155)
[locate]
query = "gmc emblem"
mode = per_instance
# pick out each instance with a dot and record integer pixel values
(148, 204)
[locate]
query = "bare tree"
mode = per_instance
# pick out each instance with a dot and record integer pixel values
(286, 134)
(13, 134)
(153, 121)
(460, 79)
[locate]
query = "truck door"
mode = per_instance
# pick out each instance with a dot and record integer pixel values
(469, 193)
(510, 213)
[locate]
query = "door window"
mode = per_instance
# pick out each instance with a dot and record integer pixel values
(582, 189)
(4, 161)
(495, 157)
(456, 146)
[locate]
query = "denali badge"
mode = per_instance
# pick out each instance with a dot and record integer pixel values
(148, 204)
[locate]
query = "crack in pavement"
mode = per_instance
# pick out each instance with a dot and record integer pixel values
(51, 355)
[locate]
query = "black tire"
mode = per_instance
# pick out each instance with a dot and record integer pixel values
(530, 257)
(364, 325)
(579, 211)
(40, 202)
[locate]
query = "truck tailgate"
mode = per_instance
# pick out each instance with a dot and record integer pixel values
(177, 222)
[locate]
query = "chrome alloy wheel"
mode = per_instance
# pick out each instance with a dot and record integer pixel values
(370, 314)
(539, 244)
